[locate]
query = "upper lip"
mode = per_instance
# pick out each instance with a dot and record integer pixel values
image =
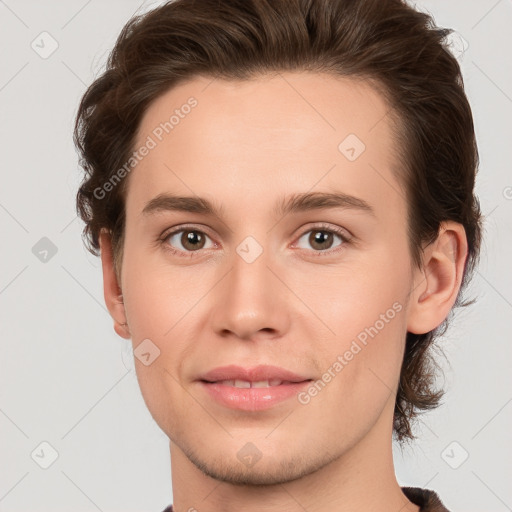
(255, 374)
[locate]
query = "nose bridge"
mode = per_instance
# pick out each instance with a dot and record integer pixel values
(250, 270)
(251, 297)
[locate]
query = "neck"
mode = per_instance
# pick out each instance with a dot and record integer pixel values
(362, 478)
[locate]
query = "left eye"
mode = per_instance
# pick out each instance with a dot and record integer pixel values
(190, 239)
(321, 238)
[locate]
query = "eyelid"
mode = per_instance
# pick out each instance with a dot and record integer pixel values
(322, 226)
(181, 227)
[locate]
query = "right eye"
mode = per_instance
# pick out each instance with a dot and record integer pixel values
(190, 239)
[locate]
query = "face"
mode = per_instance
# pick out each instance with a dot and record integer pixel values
(318, 287)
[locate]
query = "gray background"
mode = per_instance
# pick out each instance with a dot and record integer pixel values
(68, 380)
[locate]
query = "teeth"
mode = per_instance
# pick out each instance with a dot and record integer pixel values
(242, 384)
(247, 384)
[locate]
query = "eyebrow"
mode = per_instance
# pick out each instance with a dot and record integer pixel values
(294, 203)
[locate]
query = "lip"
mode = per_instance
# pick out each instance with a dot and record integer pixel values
(251, 399)
(255, 374)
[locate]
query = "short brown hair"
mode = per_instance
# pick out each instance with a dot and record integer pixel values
(398, 49)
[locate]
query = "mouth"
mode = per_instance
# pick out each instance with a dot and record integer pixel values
(258, 376)
(251, 389)
(246, 384)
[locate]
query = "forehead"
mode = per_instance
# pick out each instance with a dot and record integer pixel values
(291, 131)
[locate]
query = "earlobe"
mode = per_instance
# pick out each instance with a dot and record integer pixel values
(437, 285)
(111, 290)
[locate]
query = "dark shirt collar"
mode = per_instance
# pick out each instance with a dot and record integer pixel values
(427, 500)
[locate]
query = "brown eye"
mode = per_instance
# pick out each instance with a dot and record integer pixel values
(187, 240)
(192, 240)
(321, 239)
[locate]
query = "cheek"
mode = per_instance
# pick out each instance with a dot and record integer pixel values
(156, 296)
(156, 304)
(363, 306)
(361, 371)
(356, 294)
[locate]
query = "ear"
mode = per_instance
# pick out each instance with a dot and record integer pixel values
(111, 289)
(436, 286)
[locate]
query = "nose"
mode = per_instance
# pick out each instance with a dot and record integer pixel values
(252, 300)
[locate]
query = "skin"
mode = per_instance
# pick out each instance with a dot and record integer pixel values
(290, 307)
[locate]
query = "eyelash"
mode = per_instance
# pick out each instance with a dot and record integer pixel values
(322, 227)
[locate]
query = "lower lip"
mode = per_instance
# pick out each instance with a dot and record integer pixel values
(252, 399)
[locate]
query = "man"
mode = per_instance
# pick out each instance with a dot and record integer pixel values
(282, 194)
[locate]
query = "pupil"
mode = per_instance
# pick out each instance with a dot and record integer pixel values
(193, 238)
(320, 237)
